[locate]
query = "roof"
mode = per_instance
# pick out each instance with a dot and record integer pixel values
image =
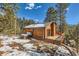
(35, 25)
(50, 23)
(38, 25)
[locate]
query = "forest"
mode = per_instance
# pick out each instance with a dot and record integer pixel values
(10, 24)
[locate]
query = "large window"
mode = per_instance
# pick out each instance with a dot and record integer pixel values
(48, 32)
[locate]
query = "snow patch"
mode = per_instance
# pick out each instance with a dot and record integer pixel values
(62, 51)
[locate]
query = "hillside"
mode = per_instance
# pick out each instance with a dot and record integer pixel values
(14, 46)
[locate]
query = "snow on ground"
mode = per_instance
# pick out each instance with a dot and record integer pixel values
(16, 50)
(62, 51)
(13, 46)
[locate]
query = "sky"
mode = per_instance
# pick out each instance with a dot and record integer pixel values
(37, 11)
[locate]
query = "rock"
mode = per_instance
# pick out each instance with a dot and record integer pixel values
(62, 51)
(28, 46)
(32, 53)
(5, 48)
(16, 53)
(72, 43)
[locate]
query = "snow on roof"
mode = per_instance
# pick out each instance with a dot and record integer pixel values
(35, 25)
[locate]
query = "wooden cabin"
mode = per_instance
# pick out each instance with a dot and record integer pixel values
(42, 31)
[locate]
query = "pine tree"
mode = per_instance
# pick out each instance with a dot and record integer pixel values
(51, 15)
(10, 18)
(61, 11)
(76, 36)
(24, 22)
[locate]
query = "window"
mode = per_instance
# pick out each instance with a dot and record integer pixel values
(48, 32)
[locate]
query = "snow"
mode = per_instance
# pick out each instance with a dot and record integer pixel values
(15, 37)
(27, 34)
(9, 51)
(62, 51)
(37, 54)
(10, 40)
(3, 37)
(35, 25)
(16, 53)
(28, 48)
(21, 41)
(5, 48)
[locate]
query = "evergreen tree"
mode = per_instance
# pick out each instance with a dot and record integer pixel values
(11, 24)
(24, 22)
(61, 11)
(51, 15)
(76, 36)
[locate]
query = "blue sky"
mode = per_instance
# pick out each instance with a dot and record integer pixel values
(37, 12)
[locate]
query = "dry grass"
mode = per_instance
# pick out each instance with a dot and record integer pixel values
(1, 43)
(17, 46)
(1, 52)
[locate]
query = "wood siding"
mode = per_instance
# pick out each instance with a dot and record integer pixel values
(38, 33)
(46, 30)
(53, 29)
(42, 32)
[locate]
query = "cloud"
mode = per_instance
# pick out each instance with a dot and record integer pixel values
(38, 7)
(67, 9)
(30, 6)
(36, 20)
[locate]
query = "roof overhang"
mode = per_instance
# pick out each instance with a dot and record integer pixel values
(35, 26)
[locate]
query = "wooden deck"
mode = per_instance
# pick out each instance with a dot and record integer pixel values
(53, 40)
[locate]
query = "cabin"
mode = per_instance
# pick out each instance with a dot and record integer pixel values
(47, 31)
(43, 31)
